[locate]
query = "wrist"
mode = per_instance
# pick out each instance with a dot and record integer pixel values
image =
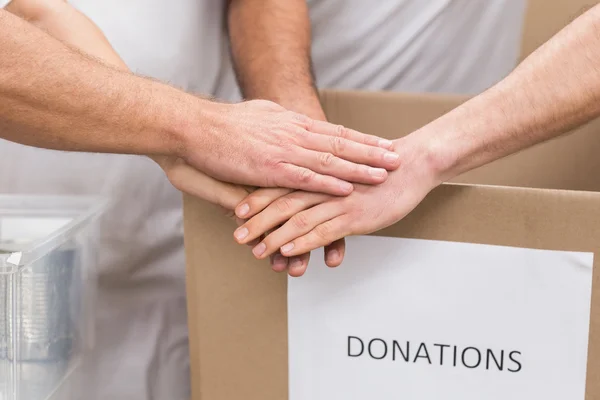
(427, 156)
(198, 127)
(188, 123)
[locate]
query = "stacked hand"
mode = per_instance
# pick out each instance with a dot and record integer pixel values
(253, 143)
(259, 143)
(312, 220)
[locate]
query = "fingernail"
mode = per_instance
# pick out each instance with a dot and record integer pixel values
(241, 233)
(279, 261)
(333, 255)
(243, 210)
(259, 249)
(296, 264)
(377, 172)
(346, 187)
(391, 157)
(386, 144)
(287, 248)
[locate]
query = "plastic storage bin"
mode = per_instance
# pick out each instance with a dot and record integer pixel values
(47, 257)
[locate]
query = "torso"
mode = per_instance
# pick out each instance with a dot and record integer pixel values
(453, 46)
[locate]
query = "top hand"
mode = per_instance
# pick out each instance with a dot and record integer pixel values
(315, 220)
(65, 23)
(260, 143)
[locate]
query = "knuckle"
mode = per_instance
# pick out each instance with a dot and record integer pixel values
(374, 153)
(296, 136)
(326, 159)
(283, 205)
(308, 123)
(272, 161)
(371, 140)
(253, 202)
(323, 232)
(300, 133)
(337, 144)
(303, 120)
(306, 175)
(341, 131)
(300, 221)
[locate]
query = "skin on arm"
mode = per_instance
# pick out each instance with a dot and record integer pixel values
(72, 27)
(556, 89)
(53, 96)
(66, 23)
(271, 46)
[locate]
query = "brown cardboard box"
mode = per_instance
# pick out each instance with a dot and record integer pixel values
(545, 198)
(545, 18)
(237, 305)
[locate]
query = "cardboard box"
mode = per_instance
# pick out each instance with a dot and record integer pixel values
(545, 18)
(543, 198)
(237, 306)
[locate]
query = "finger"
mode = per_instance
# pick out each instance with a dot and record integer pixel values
(320, 236)
(257, 201)
(297, 226)
(294, 177)
(351, 151)
(327, 128)
(339, 143)
(193, 182)
(298, 265)
(334, 253)
(329, 164)
(277, 213)
(279, 263)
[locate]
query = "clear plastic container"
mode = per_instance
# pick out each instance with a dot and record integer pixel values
(47, 258)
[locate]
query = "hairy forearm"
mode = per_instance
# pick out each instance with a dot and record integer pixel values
(270, 42)
(55, 97)
(556, 89)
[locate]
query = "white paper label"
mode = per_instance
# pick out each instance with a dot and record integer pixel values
(429, 320)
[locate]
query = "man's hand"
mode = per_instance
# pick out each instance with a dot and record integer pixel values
(50, 97)
(67, 24)
(260, 143)
(312, 220)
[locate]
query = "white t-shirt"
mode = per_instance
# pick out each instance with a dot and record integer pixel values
(453, 46)
(141, 332)
(142, 345)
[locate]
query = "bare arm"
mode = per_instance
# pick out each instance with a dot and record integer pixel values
(52, 96)
(65, 23)
(56, 97)
(556, 89)
(270, 42)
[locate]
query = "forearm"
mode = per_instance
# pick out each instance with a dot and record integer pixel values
(55, 97)
(555, 89)
(270, 42)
